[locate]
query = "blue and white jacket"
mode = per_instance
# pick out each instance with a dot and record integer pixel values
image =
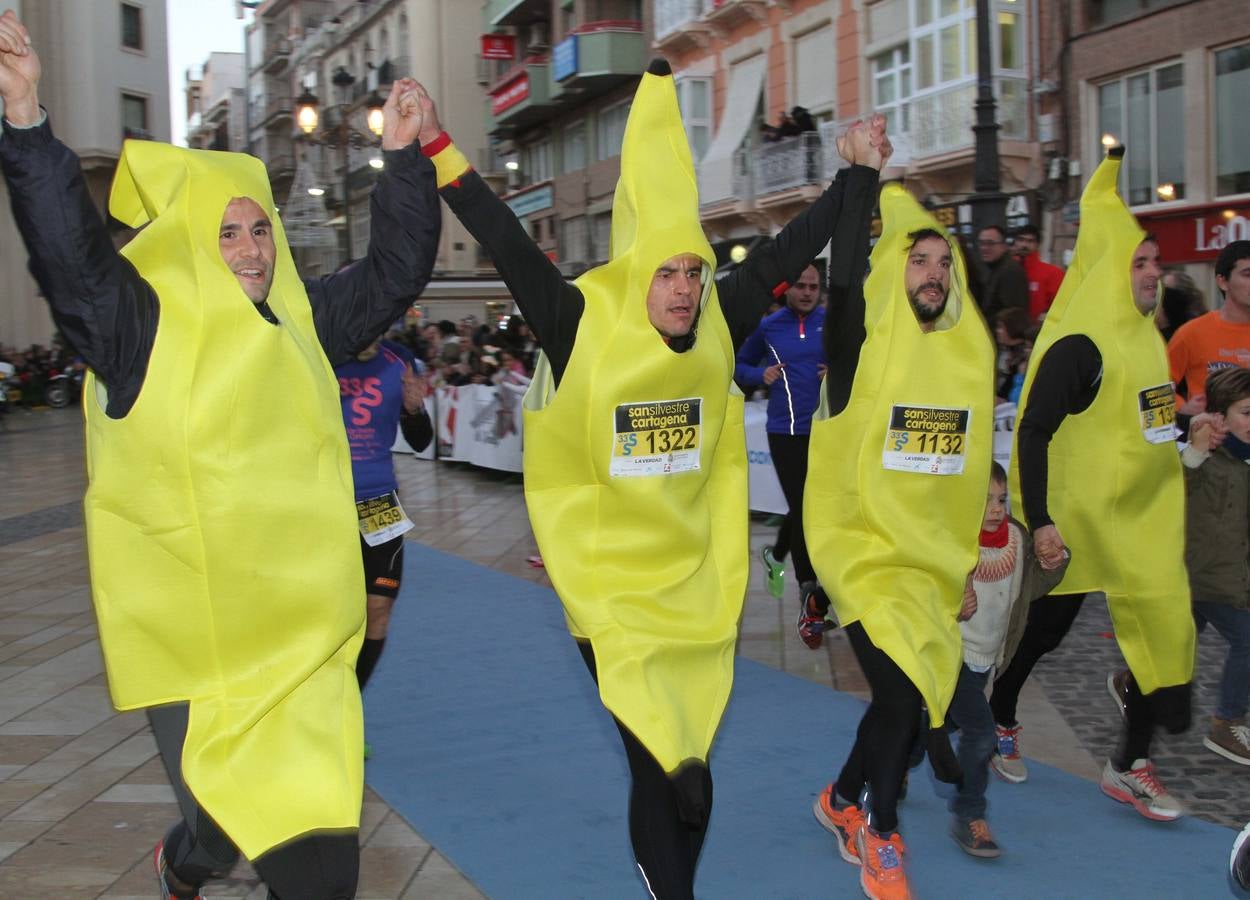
(798, 343)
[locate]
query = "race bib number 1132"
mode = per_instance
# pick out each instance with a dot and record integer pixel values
(926, 439)
(662, 437)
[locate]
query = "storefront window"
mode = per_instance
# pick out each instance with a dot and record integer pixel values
(1146, 112)
(1232, 125)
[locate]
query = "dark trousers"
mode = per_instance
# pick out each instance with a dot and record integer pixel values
(887, 733)
(668, 815)
(1050, 619)
(789, 453)
(317, 866)
(971, 715)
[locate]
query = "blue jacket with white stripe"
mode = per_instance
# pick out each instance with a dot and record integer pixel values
(798, 343)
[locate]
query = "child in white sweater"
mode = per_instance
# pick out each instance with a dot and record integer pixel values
(1007, 579)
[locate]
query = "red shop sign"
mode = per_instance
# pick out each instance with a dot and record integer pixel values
(1199, 233)
(498, 46)
(510, 94)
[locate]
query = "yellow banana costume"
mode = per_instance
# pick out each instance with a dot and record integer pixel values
(220, 524)
(1115, 488)
(896, 487)
(635, 469)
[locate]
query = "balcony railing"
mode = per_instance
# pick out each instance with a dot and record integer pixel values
(282, 165)
(277, 107)
(789, 163)
(942, 120)
(671, 15)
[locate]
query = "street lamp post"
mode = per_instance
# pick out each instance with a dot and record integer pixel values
(989, 204)
(340, 136)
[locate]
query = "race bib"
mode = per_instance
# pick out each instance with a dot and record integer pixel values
(382, 519)
(656, 438)
(932, 440)
(1157, 406)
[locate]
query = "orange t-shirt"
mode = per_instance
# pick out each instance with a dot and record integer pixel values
(1203, 345)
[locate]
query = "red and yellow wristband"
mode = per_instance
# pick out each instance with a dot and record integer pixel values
(449, 162)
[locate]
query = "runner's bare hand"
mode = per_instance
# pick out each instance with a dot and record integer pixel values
(19, 72)
(402, 115)
(1049, 547)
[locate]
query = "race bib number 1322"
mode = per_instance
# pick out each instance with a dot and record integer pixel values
(662, 437)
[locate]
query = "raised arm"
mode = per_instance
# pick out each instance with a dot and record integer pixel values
(101, 305)
(352, 307)
(550, 305)
(848, 263)
(774, 264)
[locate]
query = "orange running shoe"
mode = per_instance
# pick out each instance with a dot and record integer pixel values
(882, 876)
(844, 824)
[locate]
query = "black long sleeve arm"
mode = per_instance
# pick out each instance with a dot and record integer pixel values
(772, 267)
(1066, 383)
(550, 305)
(352, 307)
(100, 304)
(844, 322)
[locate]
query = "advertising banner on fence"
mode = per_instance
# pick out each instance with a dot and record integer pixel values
(764, 488)
(481, 424)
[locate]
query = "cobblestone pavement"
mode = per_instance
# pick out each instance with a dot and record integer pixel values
(1074, 679)
(83, 796)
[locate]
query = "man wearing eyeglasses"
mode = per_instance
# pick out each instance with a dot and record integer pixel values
(1003, 282)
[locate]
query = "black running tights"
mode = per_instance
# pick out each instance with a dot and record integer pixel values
(1050, 619)
(317, 866)
(789, 453)
(886, 735)
(667, 816)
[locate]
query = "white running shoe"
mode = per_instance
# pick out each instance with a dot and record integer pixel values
(1141, 788)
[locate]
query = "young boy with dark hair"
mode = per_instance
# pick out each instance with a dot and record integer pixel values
(1217, 544)
(1008, 577)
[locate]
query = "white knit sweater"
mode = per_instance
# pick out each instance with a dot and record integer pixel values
(996, 581)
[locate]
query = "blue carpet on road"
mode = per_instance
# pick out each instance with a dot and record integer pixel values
(489, 739)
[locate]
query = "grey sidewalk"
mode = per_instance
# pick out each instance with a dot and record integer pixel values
(83, 797)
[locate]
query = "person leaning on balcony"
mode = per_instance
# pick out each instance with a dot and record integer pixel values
(635, 463)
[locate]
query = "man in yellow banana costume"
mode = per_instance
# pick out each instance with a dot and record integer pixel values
(635, 460)
(1097, 469)
(221, 528)
(903, 430)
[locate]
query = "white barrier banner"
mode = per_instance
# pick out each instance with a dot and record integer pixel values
(764, 488)
(1004, 433)
(479, 424)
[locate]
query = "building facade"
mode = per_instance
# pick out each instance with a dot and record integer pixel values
(105, 78)
(558, 78)
(743, 65)
(215, 99)
(1169, 79)
(347, 53)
